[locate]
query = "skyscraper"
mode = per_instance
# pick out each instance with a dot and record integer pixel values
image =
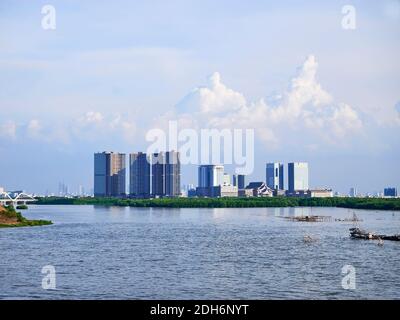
(109, 174)
(172, 174)
(210, 176)
(166, 174)
(158, 174)
(241, 183)
(139, 175)
(298, 176)
(275, 176)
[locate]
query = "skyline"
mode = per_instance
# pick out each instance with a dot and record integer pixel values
(106, 75)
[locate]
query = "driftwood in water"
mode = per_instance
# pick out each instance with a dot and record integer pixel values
(357, 233)
(310, 218)
(353, 219)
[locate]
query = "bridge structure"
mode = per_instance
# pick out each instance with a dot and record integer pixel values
(15, 198)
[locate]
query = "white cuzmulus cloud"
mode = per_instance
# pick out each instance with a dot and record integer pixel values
(305, 107)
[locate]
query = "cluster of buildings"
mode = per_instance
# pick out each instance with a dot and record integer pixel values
(389, 192)
(214, 182)
(159, 175)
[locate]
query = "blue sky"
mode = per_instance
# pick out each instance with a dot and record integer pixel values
(110, 71)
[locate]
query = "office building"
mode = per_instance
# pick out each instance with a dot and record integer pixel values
(109, 174)
(210, 176)
(172, 174)
(166, 174)
(139, 175)
(275, 176)
(298, 176)
(390, 192)
(241, 183)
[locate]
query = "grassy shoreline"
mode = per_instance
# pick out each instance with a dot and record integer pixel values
(352, 203)
(10, 218)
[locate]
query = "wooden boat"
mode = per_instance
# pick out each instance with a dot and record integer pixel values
(357, 233)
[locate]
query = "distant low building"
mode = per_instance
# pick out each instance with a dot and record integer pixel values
(217, 191)
(390, 192)
(191, 193)
(256, 189)
(313, 193)
(320, 193)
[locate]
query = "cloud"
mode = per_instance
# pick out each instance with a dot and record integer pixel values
(34, 128)
(305, 107)
(90, 118)
(8, 130)
(214, 99)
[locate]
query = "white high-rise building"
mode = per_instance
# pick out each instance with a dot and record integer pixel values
(298, 176)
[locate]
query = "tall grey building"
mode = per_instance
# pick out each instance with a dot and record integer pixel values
(298, 176)
(166, 174)
(109, 174)
(172, 174)
(275, 176)
(241, 183)
(139, 175)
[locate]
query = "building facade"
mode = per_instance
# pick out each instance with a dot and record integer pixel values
(241, 181)
(166, 174)
(390, 192)
(210, 176)
(172, 174)
(109, 174)
(275, 176)
(298, 176)
(139, 175)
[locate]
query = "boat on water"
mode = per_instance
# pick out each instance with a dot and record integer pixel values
(357, 233)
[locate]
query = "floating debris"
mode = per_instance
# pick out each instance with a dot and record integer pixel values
(310, 218)
(357, 233)
(309, 239)
(353, 219)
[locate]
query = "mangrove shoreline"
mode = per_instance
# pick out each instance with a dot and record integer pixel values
(340, 202)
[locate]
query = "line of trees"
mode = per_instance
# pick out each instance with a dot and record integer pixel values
(355, 203)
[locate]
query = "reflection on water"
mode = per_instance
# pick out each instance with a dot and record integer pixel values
(159, 253)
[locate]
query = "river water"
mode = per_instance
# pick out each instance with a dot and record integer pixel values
(149, 253)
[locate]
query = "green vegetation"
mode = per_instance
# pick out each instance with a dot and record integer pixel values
(22, 207)
(11, 218)
(354, 203)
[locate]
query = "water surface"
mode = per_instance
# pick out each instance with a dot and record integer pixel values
(154, 253)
